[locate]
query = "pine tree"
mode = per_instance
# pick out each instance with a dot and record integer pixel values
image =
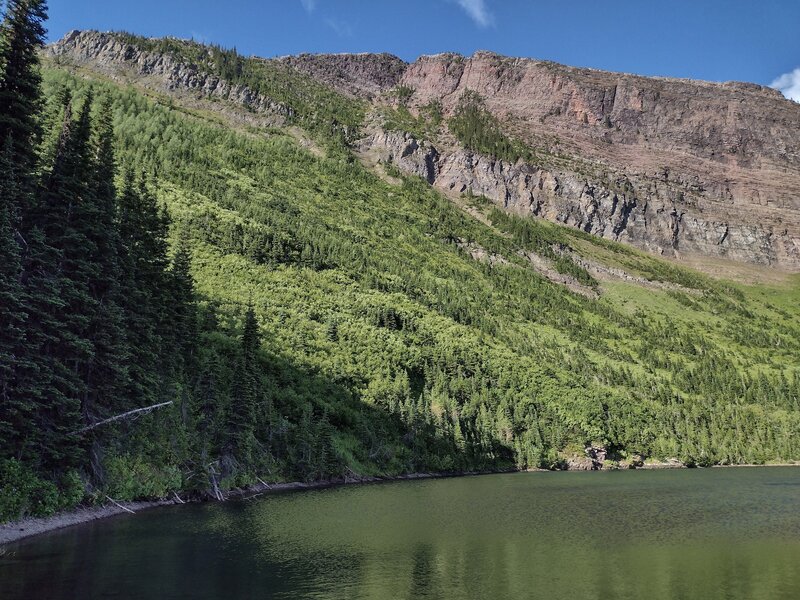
(59, 269)
(106, 374)
(242, 410)
(21, 35)
(63, 206)
(44, 379)
(303, 443)
(143, 262)
(15, 409)
(183, 306)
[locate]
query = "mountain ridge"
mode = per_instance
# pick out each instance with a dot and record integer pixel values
(731, 83)
(709, 168)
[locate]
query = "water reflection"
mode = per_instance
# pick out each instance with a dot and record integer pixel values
(727, 533)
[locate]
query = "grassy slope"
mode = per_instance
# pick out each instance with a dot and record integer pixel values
(366, 288)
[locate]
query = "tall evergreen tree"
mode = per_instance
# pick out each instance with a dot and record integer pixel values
(65, 266)
(183, 307)
(15, 410)
(106, 374)
(143, 261)
(60, 211)
(43, 382)
(242, 409)
(21, 35)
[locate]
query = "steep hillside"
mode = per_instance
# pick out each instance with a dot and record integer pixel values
(544, 337)
(676, 167)
(402, 328)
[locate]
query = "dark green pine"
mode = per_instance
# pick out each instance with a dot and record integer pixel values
(106, 373)
(22, 34)
(183, 307)
(61, 214)
(242, 409)
(16, 410)
(143, 261)
(44, 379)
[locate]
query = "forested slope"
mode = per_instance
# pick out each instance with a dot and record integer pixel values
(300, 316)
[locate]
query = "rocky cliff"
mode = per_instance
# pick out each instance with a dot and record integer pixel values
(650, 213)
(111, 55)
(672, 166)
(359, 75)
(676, 167)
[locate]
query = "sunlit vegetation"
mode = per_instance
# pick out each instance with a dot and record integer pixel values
(328, 115)
(423, 126)
(480, 131)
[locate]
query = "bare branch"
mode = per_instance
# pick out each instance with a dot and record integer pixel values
(120, 505)
(125, 415)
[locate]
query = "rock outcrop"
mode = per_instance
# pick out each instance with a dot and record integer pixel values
(675, 167)
(111, 55)
(669, 165)
(359, 75)
(650, 214)
(410, 155)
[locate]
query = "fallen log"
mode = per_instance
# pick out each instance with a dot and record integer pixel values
(120, 505)
(124, 415)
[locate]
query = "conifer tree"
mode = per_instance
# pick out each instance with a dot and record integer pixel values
(21, 35)
(15, 410)
(183, 327)
(59, 270)
(242, 410)
(61, 213)
(45, 378)
(106, 374)
(142, 263)
(43, 383)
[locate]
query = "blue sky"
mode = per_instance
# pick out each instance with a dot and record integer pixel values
(717, 40)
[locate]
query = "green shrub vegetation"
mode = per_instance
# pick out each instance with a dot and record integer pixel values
(423, 126)
(479, 131)
(329, 116)
(308, 320)
(545, 240)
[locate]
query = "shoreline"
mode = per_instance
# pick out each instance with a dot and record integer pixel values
(33, 526)
(15, 531)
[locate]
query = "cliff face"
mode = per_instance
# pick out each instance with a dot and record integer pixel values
(730, 123)
(650, 214)
(112, 56)
(672, 166)
(358, 75)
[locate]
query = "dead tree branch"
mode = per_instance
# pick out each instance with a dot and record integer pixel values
(120, 505)
(125, 415)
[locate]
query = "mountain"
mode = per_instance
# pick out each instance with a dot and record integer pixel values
(342, 275)
(676, 167)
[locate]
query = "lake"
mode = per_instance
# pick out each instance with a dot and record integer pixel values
(685, 534)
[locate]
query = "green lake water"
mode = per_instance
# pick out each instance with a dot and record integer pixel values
(686, 534)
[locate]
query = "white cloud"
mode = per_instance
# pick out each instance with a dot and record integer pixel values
(789, 84)
(342, 28)
(309, 5)
(477, 11)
